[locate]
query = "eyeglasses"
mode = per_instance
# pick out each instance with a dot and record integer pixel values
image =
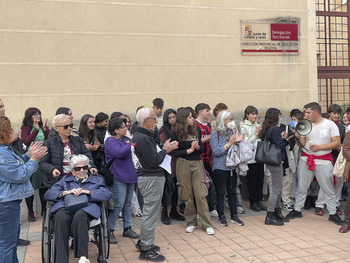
(78, 168)
(155, 119)
(66, 126)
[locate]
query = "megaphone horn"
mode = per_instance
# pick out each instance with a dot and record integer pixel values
(303, 127)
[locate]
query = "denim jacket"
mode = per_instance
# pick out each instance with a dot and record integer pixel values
(14, 175)
(217, 143)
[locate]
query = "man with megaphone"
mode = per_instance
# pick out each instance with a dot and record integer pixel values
(316, 160)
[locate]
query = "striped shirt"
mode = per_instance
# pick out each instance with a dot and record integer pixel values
(204, 130)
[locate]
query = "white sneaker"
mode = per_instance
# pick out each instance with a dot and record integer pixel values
(210, 231)
(190, 229)
(84, 260)
(240, 210)
(288, 207)
(214, 213)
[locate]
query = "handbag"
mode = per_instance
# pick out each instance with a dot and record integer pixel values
(107, 174)
(339, 166)
(73, 203)
(268, 153)
(206, 177)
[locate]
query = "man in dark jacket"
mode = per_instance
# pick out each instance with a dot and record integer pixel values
(151, 181)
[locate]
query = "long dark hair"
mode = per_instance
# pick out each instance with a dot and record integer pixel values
(166, 128)
(28, 117)
(181, 130)
(272, 116)
(83, 129)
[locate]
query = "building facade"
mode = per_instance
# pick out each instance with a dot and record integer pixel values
(110, 55)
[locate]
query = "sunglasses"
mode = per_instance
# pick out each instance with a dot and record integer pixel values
(66, 126)
(77, 169)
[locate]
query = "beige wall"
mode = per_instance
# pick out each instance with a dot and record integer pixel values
(108, 55)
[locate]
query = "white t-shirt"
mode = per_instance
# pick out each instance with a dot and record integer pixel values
(320, 134)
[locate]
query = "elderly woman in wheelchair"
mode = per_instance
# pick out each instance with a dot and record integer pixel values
(74, 207)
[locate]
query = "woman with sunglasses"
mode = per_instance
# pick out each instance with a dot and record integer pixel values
(61, 146)
(75, 222)
(34, 130)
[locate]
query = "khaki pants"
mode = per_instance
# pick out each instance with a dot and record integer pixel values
(192, 190)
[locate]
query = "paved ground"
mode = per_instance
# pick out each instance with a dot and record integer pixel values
(309, 239)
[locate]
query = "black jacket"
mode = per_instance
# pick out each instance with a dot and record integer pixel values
(54, 157)
(146, 152)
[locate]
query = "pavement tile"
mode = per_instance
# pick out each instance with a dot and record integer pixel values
(313, 250)
(268, 257)
(284, 255)
(299, 253)
(294, 260)
(310, 239)
(258, 251)
(327, 256)
(248, 245)
(264, 243)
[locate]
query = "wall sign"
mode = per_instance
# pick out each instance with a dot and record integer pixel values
(269, 38)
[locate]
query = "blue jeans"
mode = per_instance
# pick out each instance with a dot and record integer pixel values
(122, 193)
(9, 231)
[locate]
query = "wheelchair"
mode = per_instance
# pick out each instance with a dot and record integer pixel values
(100, 237)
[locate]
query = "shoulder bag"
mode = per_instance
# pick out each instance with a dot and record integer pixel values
(268, 153)
(74, 203)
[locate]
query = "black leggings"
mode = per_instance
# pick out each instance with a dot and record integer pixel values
(224, 181)
(255, 182)
(30, 201)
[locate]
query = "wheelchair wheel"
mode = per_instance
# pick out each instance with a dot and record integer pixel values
(103, 238)
(46, 240)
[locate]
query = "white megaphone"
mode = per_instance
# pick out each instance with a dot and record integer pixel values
(303, 127)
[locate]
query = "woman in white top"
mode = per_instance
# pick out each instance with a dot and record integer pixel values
(255, 175)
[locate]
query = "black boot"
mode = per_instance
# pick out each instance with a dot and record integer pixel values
(307, 204)
(164, 217)
(175, 215)
(271, 219)
(280, 216)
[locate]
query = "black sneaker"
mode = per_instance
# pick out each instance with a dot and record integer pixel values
(222, 221)
(22, 242)
(138, 246)
(319, 211)
(151, 255)
(128, 232)
(235, 219)
(112, 238)
(175, 215)
(261, 206)
(255, 207)
(294, 214)
(164, 217)
(335, 219)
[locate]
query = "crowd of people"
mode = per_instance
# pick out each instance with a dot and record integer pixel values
(182, 164)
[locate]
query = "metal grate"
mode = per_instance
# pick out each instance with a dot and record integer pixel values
(333, 91)
(332, 24)
(331, 5)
